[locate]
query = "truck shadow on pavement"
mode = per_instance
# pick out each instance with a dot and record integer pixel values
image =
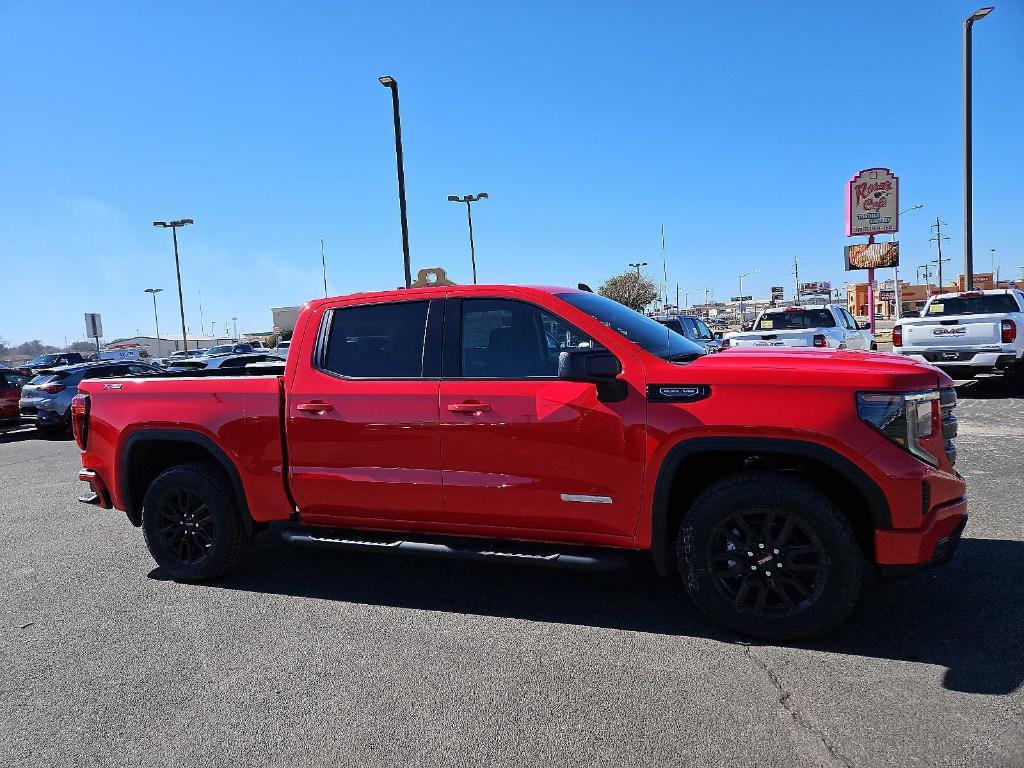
(967, 616)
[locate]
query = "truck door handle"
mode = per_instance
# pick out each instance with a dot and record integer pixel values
(314, 407)
(469, 407)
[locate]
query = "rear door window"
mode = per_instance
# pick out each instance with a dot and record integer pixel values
(376, 341)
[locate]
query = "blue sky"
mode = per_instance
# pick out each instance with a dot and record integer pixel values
(589, 124)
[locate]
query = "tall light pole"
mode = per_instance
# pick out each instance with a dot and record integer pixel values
(995, 269)
(389, 82)
(173, 226)
(968, 151)
(637, 265)
(745, 274)
(469, 200)
(323, 263)
(156, 318)
(234, 323)
(896, 270)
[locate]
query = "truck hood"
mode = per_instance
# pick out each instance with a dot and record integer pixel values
(833, 368)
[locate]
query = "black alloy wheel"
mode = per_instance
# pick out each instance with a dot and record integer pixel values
(767, 563)
(185, 525)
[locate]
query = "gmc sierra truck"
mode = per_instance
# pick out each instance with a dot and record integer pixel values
(968, 333)
(549, 426)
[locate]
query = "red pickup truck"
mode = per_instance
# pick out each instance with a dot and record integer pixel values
(551, 426)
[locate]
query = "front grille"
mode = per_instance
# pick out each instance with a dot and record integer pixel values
(947, 402)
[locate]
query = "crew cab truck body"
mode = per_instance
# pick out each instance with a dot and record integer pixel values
(967, 334)
(549, 426)
(820, 326)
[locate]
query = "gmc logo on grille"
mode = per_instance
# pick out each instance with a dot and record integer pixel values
(957, 330)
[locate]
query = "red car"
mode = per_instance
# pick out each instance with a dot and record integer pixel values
(11, 382)
(550, 426)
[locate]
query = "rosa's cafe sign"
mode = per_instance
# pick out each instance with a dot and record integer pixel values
(872, 208)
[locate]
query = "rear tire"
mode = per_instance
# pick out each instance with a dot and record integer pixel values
(191, 522)
(769, 555)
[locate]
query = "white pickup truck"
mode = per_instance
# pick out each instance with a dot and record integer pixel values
(967, 334)
(827, 326)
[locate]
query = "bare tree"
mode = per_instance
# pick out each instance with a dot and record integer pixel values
(632, 289)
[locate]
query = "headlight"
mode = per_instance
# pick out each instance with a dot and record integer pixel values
(906, 418)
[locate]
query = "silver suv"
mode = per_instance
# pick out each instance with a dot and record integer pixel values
(46, 399)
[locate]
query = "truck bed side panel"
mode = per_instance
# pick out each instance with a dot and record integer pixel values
(240, 415)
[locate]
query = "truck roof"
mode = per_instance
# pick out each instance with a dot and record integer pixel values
(399, 293)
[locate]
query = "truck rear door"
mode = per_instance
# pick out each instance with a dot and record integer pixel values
(362, 415)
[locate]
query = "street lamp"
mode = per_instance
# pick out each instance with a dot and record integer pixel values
(234, 322)
(899, 305)
(745, 274)
(389, 82)
(638, 264)
(968, 143)
(156, 318)
(469, 200)
(173, 226)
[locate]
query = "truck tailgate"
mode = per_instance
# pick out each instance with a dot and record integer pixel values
(773, 339)
(963, 331)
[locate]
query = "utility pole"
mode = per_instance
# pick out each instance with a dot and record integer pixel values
(202, 325)
(925, 270)
(391, 84)
(677, 298)
(938, 237)
(796, 280)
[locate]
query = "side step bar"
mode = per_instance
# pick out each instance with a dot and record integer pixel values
(551, 555)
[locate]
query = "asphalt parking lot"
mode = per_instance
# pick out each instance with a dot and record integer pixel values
(317, 658)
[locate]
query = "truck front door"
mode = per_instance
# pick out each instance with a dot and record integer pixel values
(522, 449)
(362, 421)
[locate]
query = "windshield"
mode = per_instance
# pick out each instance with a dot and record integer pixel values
(792, 320)
(996, 303)
(44, 360)
(642, 330)
(220, 349)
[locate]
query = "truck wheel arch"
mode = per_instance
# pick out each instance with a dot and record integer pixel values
(193, 446)
(780, 451)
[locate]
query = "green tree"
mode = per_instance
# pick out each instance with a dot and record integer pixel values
(634, 290)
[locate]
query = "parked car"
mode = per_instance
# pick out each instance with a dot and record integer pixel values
(821, 326)
(694, 329)
(229, 349)
(223, 361)
(46, 399)
(444, 423)
(54, 360)
(967, 334)
(11, 382)
(282, 348)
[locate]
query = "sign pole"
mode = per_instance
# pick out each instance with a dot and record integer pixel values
(871, 293)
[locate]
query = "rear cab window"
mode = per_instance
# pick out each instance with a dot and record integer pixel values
(795, 319)
(993, 304)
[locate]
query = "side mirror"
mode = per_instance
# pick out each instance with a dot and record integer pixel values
(748, 327)
(593, 366)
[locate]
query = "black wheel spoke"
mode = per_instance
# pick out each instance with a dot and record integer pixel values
(766, 527)
(785, 532)
(744, 589)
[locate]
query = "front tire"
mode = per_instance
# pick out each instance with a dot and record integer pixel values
(191, 522)
(769, 555)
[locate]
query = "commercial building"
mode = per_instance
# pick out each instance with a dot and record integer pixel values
(912, 297)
